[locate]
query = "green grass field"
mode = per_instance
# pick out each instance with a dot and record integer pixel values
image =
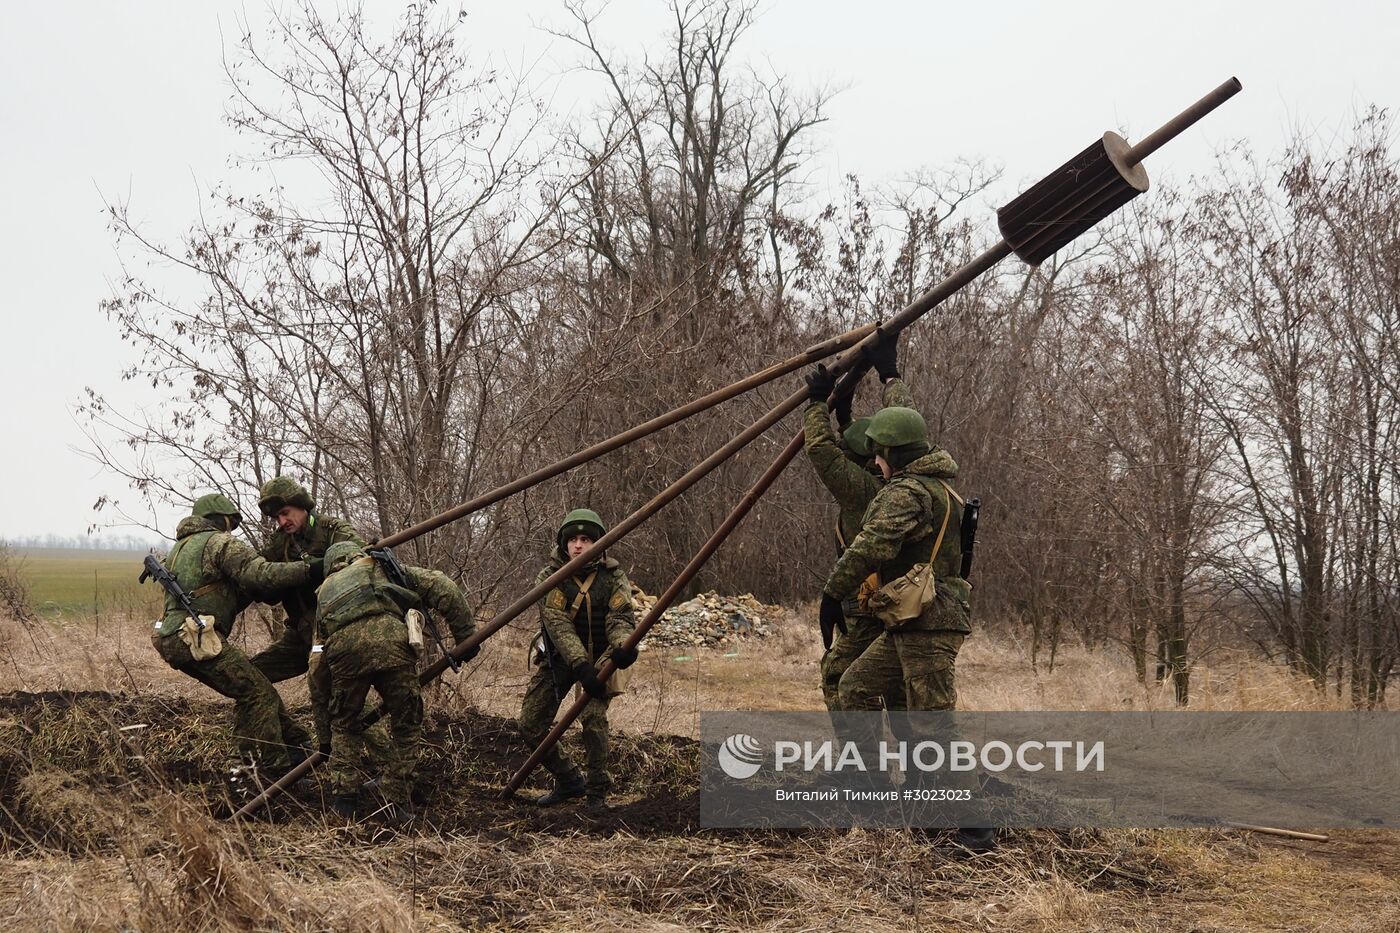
(64, 582)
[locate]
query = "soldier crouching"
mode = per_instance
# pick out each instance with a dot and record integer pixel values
(361, 618)
(220, 573)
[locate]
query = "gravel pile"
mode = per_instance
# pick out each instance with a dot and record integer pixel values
(709, 621)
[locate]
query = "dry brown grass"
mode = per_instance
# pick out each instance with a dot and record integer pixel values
(155, 859)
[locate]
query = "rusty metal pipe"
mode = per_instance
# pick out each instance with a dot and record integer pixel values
(1178, 124)
(663, 602)
(812, 354)
(912, 312)
(531, 596)
(916, 309)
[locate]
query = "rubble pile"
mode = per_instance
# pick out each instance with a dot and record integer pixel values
(709, 620)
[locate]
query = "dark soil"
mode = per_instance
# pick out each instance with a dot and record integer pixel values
(466, 761)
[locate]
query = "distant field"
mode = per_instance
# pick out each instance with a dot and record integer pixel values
(76, 582)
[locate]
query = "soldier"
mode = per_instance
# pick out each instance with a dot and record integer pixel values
(301, 533)
(583, 620)
(361, 616)
(221, 573)
(849, 473)
(913, 520)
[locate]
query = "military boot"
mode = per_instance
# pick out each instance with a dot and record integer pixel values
(418, 796)
(976, 841)
(596, 802)
(343, 806)
(565, 788)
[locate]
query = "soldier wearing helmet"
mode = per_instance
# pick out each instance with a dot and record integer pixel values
(847, 471)
(222, 574)
(301, 534)
(363, 618)
(913, 520)
(583, 620)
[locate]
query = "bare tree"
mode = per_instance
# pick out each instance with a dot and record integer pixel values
(361, 333)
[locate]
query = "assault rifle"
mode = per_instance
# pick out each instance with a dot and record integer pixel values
(969, 534)
(399, 577)
(152, 567)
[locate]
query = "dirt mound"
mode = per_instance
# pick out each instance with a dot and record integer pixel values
(63, 755)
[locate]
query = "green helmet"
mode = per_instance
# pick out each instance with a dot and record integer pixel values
(896, 427)
(855, 438)
(216, 503)
(579, 522)
(282, 491)
(340, 554)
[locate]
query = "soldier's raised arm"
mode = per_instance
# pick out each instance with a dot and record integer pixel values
(895, 394)
(883, 357)
(846, 480)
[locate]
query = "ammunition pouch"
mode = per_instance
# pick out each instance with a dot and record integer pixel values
(909, 596)
(204, 643)
(414, 620)
(197, 644)
(904, 598)
(620, 680)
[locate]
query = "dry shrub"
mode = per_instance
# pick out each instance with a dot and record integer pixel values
(221, 881)
(180, 869)
(14, 591)
(62, 812)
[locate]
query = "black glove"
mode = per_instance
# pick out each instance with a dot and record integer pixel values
(623, 657)
(883, 355)
(587, 676)
(832, 618)
(820, 383)
(317, 566)
(325, 750)
(842, 409)
(470, 653)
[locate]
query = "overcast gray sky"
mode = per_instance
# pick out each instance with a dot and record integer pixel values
(126, 99)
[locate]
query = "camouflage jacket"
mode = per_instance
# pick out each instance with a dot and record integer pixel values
(360, 615)
(321, 532)
(850, 484)
(600, 619)
(898, 531)
(222, 575)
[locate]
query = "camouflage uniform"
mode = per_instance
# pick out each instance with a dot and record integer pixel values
(851, 482)
(917, 659)
(290, 656)
(360, 616)
(221, 573)
(914, 663)
(577, 627)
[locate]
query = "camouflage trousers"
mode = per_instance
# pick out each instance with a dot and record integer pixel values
(353, 753)
(903, 670)
(546, 690)
(260, 721)
(861, 632)
(913, 671)
(290, 656)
